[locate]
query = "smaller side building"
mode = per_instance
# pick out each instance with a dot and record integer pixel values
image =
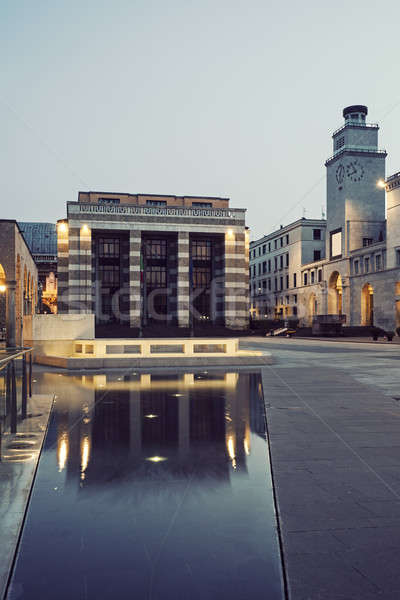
(276, 262)
(18, 281)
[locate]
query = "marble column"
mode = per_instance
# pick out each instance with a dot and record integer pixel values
(135, 240)
(183, 284)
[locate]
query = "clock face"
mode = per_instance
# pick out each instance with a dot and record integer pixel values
(354, 170)
(340, 172)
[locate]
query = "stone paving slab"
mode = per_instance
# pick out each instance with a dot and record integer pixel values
(337, 480)
(19, 457)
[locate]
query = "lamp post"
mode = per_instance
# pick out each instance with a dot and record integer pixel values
(11, 340)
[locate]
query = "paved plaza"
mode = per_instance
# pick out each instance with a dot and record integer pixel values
(333, 418)
(333, 413)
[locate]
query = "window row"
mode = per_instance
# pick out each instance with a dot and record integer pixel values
(368, 264)
(269, 246)
(311, 277)
(279, 262)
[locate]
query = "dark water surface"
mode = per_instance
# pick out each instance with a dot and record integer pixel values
(152, 487)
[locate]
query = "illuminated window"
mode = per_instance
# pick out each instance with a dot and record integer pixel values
(109, 274)
(336, 243)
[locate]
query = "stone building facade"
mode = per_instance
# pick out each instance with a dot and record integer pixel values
(357, 281)
(275, 267)
(135, 260)
(42, 241)
(18, 281)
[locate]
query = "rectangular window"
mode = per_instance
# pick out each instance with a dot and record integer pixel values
(275, 244)
(269, 246)
(378, 262)
(259, 250)
(398, 258)
(317, 255)
(316, 234)
(294, 310)
(156, 276)
(305, 278)
(367, 242)
(202, 204)
(269, 266)
(259, 268)
(339, 143)
(319, 274)
(108, 247)
(276, 263)
(281, 261)
(336, 243)
(201, 277)
(264, 249)
(109, 274)
(356, 267)
(287, 259)
(109, 200)
(281, 282)
(156, 203)
(276, 283)
(295, 299)
(264, 285)
(264, 267)
(287, 281)
(156, 248)
(312, 276)
(269, 284)
(366, 265)
(287, 238)
(294, 279)
(281, 241)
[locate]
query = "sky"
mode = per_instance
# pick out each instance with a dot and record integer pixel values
(233, 98)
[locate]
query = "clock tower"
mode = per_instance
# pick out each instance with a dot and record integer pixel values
(355, 202)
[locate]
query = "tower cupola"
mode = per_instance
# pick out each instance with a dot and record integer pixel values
(355, 114)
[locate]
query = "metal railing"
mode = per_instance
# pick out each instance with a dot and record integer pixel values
(361, 149)
(16, 387)
(356, 123)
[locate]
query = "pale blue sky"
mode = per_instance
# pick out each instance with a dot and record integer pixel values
(221, 98)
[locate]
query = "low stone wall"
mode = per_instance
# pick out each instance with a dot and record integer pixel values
(58, 327)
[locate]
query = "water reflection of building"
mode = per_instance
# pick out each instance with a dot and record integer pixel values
(196, 425)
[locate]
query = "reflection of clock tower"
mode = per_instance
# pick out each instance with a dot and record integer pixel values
(355, 204)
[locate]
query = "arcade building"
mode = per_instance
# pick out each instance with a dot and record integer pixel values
(137, 260)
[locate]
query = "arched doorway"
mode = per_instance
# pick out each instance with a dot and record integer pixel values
(397, 292)
(312, 308)
(367, 305)
(335, 293)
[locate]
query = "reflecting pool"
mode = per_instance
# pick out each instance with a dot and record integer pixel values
(152, 487)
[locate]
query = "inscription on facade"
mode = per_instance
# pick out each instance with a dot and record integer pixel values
(154, 211)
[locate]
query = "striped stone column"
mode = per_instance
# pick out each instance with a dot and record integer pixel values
(62, 267)
(236, 280)
(80, 270)
(183, 292)
(135, 241)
